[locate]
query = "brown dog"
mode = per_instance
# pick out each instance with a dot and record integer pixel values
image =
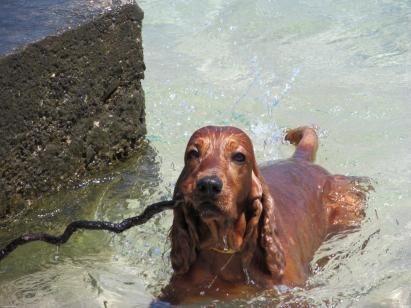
(238, 229)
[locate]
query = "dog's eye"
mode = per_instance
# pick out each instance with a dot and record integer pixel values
(239, 157)
(192, 154)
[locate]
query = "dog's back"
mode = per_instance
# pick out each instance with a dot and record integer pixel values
(306, 202)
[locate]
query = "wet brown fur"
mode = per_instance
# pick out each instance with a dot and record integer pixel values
(265, 225)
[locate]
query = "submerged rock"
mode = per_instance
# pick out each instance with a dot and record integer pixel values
(70, 104)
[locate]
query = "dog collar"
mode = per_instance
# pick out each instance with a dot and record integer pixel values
(226, 251)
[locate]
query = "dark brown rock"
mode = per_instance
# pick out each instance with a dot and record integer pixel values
(70, 104)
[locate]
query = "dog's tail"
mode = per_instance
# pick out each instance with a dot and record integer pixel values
(306, 141)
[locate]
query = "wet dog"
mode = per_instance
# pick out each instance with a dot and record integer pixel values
(238, 228)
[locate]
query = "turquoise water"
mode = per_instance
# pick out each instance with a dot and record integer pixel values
(341, 66)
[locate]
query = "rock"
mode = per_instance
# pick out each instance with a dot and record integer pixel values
(70, 105)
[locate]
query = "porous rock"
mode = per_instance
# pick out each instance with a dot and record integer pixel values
(69, 105)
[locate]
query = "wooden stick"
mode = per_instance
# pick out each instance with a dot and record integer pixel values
(127, 223)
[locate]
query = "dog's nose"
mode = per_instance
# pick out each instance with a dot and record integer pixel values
(210, 185)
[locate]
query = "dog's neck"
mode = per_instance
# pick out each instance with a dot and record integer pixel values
(221, 266)
(214, 268)
(222, 236)
(213, 275)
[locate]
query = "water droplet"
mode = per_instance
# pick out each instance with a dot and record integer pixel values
(247, 277)
(225, 242)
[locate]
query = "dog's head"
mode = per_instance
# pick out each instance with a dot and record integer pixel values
(225, 205)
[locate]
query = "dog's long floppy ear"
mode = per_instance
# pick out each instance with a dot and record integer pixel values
(261, 229)
(183, 234)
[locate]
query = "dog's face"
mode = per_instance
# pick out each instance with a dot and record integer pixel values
(224, 204)
(217, 182)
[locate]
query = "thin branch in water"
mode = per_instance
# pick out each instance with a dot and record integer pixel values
(126, 224)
